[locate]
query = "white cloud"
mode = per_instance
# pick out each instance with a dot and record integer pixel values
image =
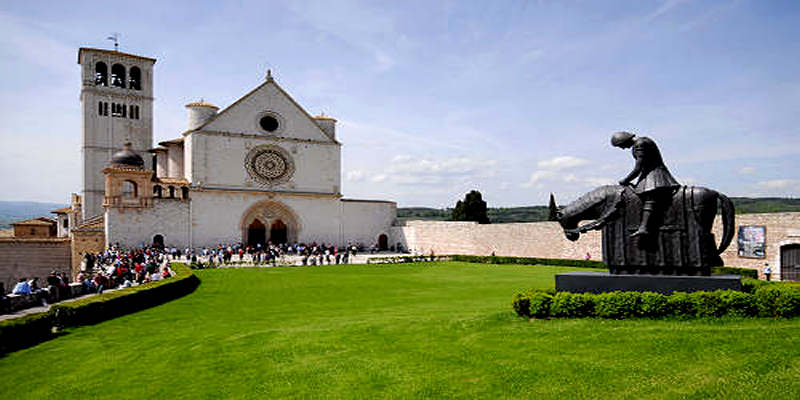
(747, 170)
(356, 175)
(562, 163)
(379, 178)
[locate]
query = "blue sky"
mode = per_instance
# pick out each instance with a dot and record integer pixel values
(516, 99)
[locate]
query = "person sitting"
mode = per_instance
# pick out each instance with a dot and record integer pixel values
(655, 184)
(22, 287)
(99, 282)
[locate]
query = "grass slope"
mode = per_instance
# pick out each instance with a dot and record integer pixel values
(403, 331)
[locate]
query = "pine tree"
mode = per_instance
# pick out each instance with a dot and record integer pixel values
(473, 208)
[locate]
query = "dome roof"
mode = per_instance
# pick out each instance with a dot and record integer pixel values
(127, 157)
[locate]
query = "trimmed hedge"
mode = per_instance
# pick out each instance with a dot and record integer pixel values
(32, 329)
(770, 300)
(529, 261)
(19, 333)
(744, 272)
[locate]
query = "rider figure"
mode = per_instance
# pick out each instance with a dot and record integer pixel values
(655, 184)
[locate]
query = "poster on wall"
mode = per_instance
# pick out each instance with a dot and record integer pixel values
(752, 241)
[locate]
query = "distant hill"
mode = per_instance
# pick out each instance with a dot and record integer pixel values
(11, 211)
(743, 205)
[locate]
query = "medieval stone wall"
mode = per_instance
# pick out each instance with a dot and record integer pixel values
(532, 239)
(132, 227)
(546, 239)
(86, 241)
(27, 258)
(782, 229)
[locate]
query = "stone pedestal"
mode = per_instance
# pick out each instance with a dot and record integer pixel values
(601, 282)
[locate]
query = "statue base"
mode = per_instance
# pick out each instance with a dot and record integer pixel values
(601, 282)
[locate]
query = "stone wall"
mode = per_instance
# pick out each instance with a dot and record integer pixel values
(132, 227)
(32, 257)
(363, 221)
(546, 239)
(531, 239)
(85, 241)
(782, 229)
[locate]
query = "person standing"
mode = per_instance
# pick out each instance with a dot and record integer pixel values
(767, 271)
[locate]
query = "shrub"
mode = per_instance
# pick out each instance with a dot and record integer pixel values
(679, 304)
(707, 304)
(738, 304)
(617, 305)
(572, 305)
(29, 330)
(19, 333)
(770, 300)
(653, 305)
(528, 261)
(94, 309)
(749, 285)
(744, 272)
(777, 300)
(540, 304)
(522, 304)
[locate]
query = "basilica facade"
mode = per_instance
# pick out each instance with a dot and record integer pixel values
(261, 170)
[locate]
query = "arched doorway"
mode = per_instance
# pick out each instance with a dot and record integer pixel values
(790, 262)
(278, 232)
(158, 241)
(256, 233)
(383, 242)
(281, 223)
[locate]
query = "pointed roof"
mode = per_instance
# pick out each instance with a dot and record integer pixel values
(269, 81)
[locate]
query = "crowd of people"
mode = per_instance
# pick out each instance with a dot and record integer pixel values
(120, 267)
(115, 267)
(270, 254)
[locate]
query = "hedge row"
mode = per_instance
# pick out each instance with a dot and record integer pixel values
(529, 261)
(745, 272)
(770, 300)
(32, 329)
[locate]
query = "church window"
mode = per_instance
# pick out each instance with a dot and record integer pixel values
(105, 108)
(130, 113)
(124, 110)
(136, 78)
(118, 76)
(185, 193)
(172, 192)
(101, 74)
(129, 190)
(137, 111)
(100, 108)
(65, 223)
(157, 191)
(269, 123)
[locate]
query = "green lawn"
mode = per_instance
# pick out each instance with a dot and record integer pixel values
(405, 331)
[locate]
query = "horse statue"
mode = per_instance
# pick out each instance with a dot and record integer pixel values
(681, 242)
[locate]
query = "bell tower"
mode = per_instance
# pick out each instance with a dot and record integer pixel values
(117, 107)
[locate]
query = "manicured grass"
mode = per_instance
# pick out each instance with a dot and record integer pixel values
(402, 331)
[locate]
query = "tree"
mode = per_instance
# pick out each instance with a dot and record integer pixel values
(553, 209)
(473, 208)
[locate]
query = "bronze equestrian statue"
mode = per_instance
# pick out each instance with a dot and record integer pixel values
(655, 226)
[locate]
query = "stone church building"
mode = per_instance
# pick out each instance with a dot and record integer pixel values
(262, 169)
